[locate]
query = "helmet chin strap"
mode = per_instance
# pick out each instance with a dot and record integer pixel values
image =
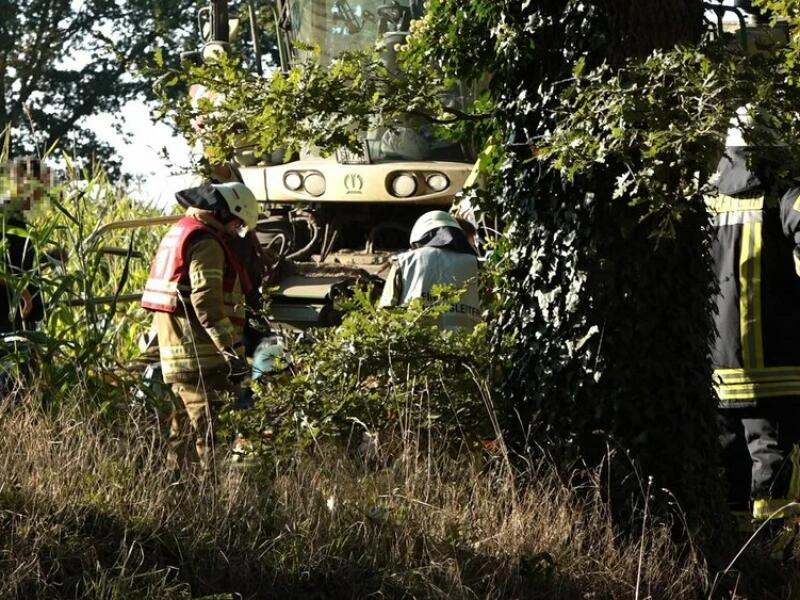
(223, 214)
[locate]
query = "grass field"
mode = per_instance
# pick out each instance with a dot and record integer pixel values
(87, 511)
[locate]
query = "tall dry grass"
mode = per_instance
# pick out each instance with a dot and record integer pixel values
(87, 510)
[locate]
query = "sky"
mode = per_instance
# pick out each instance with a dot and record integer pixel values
(142, 156)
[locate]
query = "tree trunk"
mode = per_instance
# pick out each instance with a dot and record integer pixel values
(637, 28)
(613, 324)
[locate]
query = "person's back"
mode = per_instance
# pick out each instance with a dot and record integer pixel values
(440, 255)
(757, 318)
(756, 354)
(426, 267)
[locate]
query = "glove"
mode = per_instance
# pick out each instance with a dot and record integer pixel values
(238, 370)
(238, 367)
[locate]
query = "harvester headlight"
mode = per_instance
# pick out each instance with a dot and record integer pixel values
(404, 185)
(293, 181)
(438, 182)
(314, 184)
(213, 50)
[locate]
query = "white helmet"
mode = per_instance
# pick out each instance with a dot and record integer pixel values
(430, 221)
(241, 202)
(744, 122)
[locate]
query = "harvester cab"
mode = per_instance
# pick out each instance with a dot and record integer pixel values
(331, 220)
(354, 208)
(347, 214)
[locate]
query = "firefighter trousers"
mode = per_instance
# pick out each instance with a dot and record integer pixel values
(757, 445)
(191, 431)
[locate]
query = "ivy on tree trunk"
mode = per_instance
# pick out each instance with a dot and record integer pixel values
(609, 299)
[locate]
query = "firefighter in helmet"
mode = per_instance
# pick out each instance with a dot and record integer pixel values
(440, 254)
(196, 289)
(755, 214)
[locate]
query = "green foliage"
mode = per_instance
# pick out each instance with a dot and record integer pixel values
(311, 105)
(380, 371)
(605, 281)
(609, 119)
(104, 329)
(88, 331)
(63, 61)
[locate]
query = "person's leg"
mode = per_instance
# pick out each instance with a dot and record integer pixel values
(180, 444)
(200, 401)
(772, 465)
(736, 462)
(761, 435)
(789, 442)
(776, 473)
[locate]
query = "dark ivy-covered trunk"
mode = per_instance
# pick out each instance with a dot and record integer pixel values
(611, 318)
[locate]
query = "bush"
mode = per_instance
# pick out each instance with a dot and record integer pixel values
(381, 370)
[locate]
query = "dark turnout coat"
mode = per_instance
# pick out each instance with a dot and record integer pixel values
(756, 251)
(19, 259)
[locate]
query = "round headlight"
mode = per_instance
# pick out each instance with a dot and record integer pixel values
(438, 182)
(314, 184)
(293, 181)
(404, 185)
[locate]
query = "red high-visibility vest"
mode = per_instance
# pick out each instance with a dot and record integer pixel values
(170, 268)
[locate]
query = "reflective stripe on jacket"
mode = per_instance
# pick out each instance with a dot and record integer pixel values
(196, 294)
(415, 272)
(757, 351)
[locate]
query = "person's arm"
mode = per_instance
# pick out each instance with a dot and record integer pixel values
(790, 220)
(393, 288)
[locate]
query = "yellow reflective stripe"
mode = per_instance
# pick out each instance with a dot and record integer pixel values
(764, 374)
(169, 352)
(200, 277)
(750, 296)
(744, 296)
(797, 204)
(191, 365)
(208, 272)
(794, 482)
(161, 285)
(722, 203)
(758, 331)
(159, 298)
(189, 358)
(776, 508)
(750, 391)
(224, 328)
(738, 217)
(174, 364)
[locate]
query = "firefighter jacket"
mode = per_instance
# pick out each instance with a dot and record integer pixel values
(196, 289)
(756, 253)
(414, 273)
